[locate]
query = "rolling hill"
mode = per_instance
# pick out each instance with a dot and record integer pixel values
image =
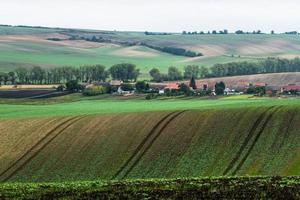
(163, 144)
(29, 46)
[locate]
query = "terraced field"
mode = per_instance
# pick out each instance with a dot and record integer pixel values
(259, 140)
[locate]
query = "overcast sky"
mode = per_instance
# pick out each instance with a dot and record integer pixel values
(155, 15)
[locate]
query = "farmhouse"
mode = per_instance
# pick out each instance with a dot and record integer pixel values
(161, 87)
(116, 83)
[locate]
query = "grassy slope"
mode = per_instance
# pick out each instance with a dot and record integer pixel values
(11, 111)
(217, 48)
(214, 142)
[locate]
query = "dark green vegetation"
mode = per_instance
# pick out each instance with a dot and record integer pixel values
(270, 65)
(188, 143)
(212, 188)
(129, 72)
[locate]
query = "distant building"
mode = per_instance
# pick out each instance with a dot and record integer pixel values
(291, 87)
(229, 91)
(271, 89)
(161, 87)
(116, 83)
(124, 92)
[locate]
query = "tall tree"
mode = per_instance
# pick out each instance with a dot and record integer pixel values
(193, 83)
(156, 75)
(219, 88)
(124, 72)
(174, 74)
(191, 71)
(12, 77)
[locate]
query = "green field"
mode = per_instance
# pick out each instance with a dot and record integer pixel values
(113, 139)
(83, 106)
(36, 50)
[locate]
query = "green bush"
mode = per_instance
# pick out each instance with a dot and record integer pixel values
(127, 87)
(94, 90)
(60, 88)
(151, 96)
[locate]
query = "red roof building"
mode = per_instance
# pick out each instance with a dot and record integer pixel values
(172, 86)
(291, 87)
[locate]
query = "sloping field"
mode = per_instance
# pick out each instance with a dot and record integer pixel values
(214, 142)
(27, 47)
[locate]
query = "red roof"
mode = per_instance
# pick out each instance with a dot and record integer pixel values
(172, 86)
(292, 87)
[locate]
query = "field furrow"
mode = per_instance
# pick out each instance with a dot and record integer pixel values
(35, 149)
(192, 143)
(246, 141)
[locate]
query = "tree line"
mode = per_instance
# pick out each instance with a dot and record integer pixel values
(89, 73)
(270, 65)
(129, 73)
(225, 31)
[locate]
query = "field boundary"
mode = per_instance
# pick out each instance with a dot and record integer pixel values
(35, 150)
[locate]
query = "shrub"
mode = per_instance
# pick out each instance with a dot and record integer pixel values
(60, 88)
(142, 86)
(127, 87)
(73, 86)
(151, 96)
(94, 90)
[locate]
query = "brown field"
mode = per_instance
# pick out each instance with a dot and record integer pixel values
(13, 87)
(276, 79)
(42, 39)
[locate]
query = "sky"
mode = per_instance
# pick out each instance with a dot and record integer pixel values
(155, 15)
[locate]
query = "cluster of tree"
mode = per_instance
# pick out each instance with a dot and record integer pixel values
(89, 73)
(156, 33)
(92, 38)
(259, 90)
(203, 33)
(175, 74)
(270, 65)
(247, 32)
(174, 50)
(7, 77)
(125, 72)
(292, 33)
(54, 39)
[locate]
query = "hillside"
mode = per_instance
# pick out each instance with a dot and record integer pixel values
(166, 144)
(24, 46)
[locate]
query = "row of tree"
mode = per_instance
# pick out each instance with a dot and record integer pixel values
(175, 74)
(57, 75)
(270, 65)
(129, 72)
(236, 32)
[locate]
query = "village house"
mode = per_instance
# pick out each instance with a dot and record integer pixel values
(162, 87)
(291, 88)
